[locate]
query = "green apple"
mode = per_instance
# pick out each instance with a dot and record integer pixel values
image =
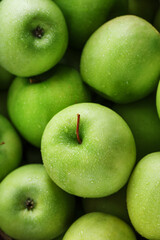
(114, 204)
(32, 102)
(157, 20)
(83, 17)
(121, 60)
(10, 148)
(32, 206)
(143, 120)
(143, 195)
(89, 155)
(33, 36)
(99, 226)
(5, 78)
(143, 8)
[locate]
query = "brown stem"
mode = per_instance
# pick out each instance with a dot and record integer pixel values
(2, 143)
(3, 236)
(77, 129)
(31, 80)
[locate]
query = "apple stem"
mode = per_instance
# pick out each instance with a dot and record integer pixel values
(77, 129)
(3, 236)
(31, 80)
(2, 143)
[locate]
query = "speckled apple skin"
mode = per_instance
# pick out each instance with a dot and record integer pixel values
(99, 226)
(121, 60)
(11, 150)
(143, 195)
(53, 208)
(98, 167)
(23, 54)
(32, 105)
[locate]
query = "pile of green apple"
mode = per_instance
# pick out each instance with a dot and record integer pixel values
(79, 119)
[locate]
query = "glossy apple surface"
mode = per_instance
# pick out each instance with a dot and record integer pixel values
(10, 148)
(32, 104)
(143, 196)
(99, 226)
(32, 206)
(121, 60)
(101, 164)
(83, 17)
(33, 38)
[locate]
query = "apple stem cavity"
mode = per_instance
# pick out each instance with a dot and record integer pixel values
(77, 129)
(29, 204)
(2, 143)
(38, 32)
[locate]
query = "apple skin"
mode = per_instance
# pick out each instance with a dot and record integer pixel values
(98, 167)
(82, 19)
(143, 120)
(11, 150)
(99, 226)
(52, 211)
(21, 52)
(5, 78)
(143, 194)
(112, 64)
(114, 204)
(32, 105)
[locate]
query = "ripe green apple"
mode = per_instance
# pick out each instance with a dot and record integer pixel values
(33, 36)
(83, 17)
(143, 196)
(5, 78)
(99, 226)
(10, 148)
(99, 165)
(143, 8)
(143, 120)
(114, 204)
(157, 20)
(121, 60)
(31, 104)
(32, 206)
